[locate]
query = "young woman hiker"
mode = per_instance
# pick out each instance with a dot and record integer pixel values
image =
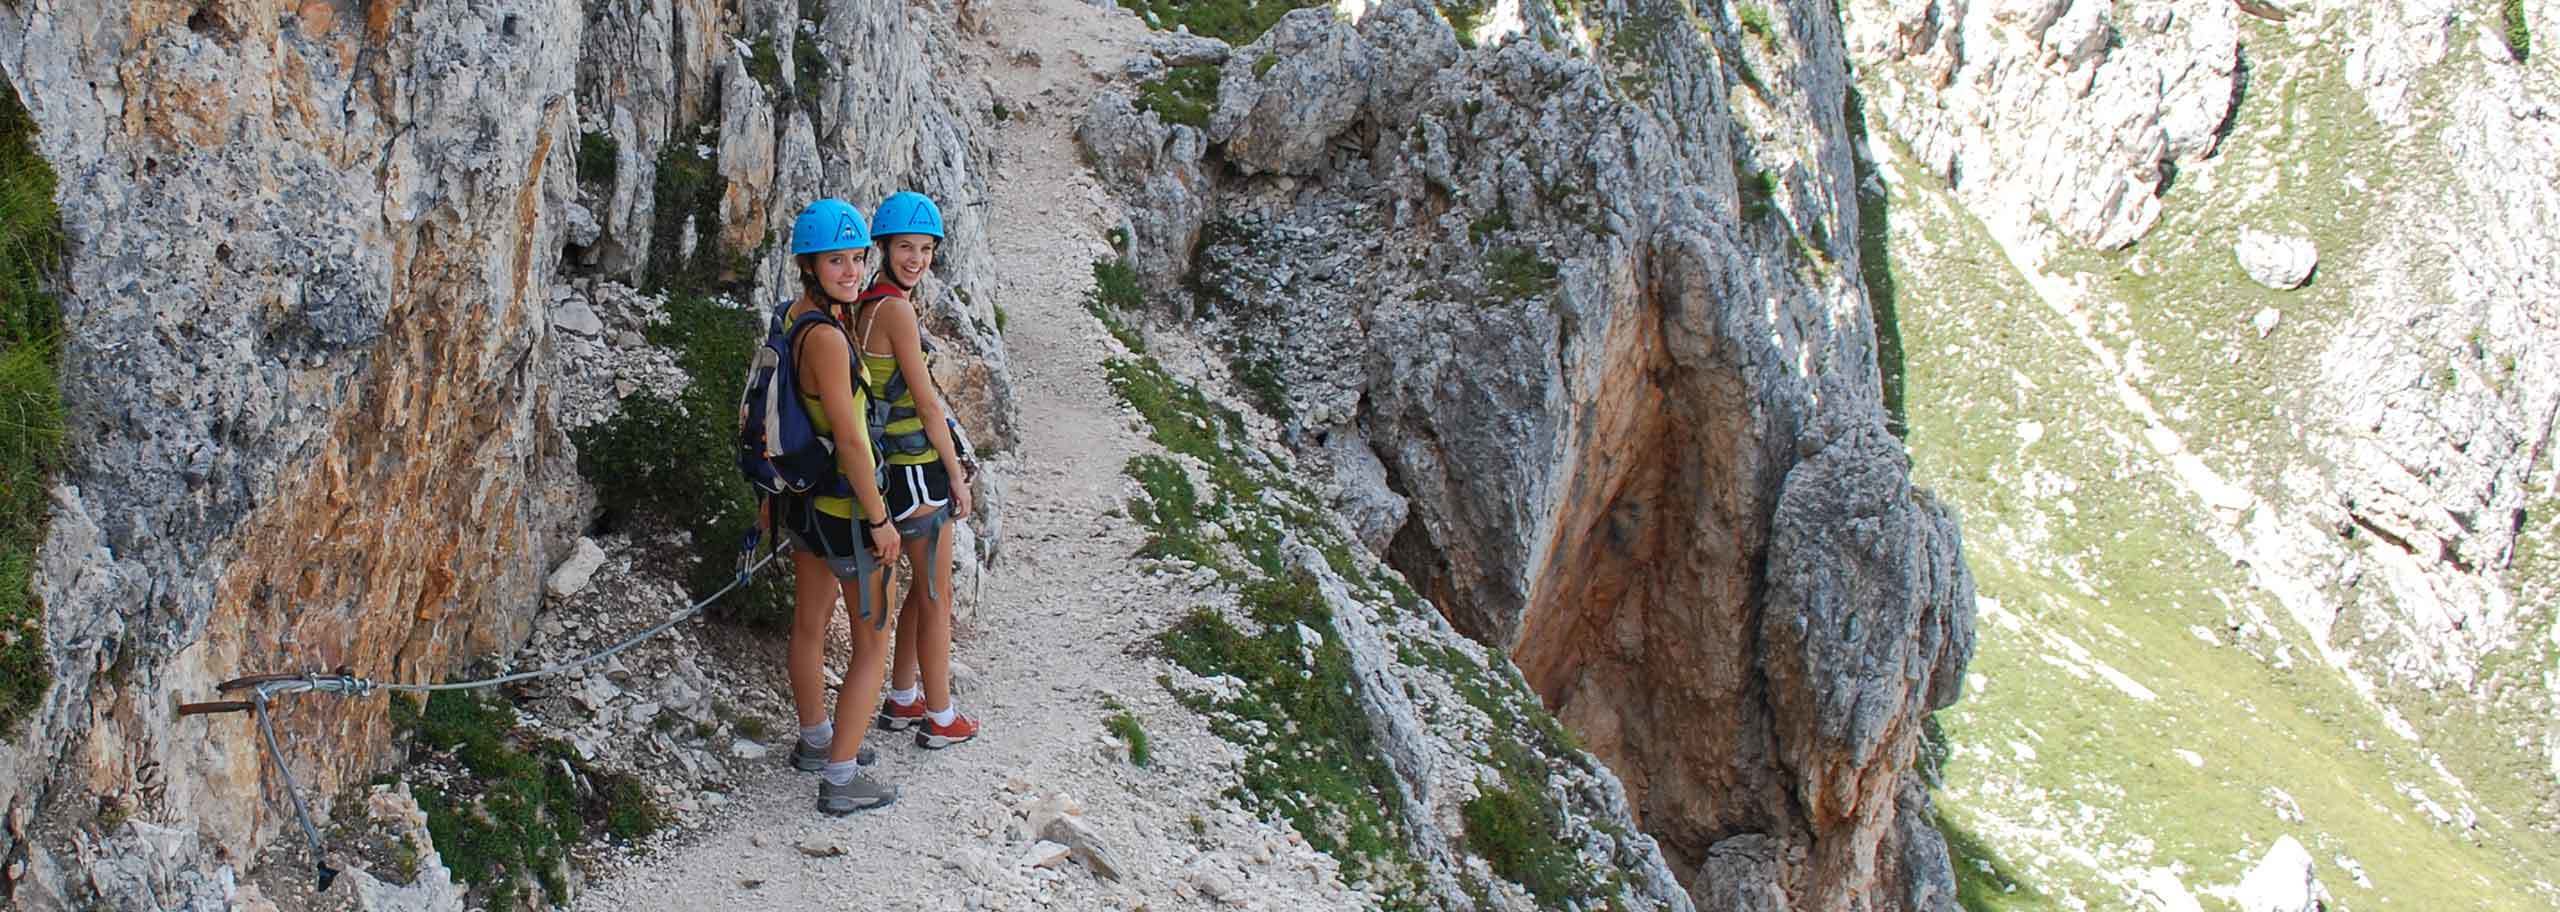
(837, 540)
(928, 485)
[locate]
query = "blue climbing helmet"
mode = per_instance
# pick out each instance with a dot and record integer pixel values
(828, 224)
(906, 212)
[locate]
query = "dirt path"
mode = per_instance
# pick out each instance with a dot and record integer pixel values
(1052, 643)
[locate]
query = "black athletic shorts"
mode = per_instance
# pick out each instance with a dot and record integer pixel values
(917, 490)
(837, 539)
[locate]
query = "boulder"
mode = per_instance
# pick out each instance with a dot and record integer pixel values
(2283, 881)
(572, 576)
(1283, 98)
(2277, 261)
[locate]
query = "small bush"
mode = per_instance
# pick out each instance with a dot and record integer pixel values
(1488, 224)
(764, 64)
(1758, 191)
(31, 422)
(599, 158)
(1260, 377)
(670, 459)
(517, 814)
(688, 195)
(1515, 832)
(1513, 274)
(1184, 95)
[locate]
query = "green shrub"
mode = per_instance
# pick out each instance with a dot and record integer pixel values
(671, 460)
(519, 811)
(599, 158)
(1236, 22)
(764, 64)
(1514, 273)
(1183, 95)
(31, 422)
(689, 188)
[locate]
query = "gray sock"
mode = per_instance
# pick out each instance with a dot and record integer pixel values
(839, 772)
(818, 735)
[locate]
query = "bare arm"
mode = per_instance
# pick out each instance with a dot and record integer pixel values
(822, 351)
(898, 319)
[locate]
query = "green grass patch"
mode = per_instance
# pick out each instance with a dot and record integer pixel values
(1312, 757)
(2078, 538)
(1757, 23)
(510, 823)
(1125, 726)
(1985, 882)
(1115, 296)
(1758, 191)
(31, 421)
(670, 460)
(1514, 273)
(1183, 95)
(2518, 33)
(1236, 22)
(1264, 386)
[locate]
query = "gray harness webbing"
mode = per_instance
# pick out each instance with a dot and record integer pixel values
(929, 526)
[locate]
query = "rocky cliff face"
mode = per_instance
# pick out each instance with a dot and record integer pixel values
(1576, 319)
(312, 347)
(2389, 517)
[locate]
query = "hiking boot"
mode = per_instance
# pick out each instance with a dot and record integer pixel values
(812, 759)
(897, 717)
(861, 793)
(936, 737)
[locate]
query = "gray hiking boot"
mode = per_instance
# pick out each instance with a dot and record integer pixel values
(812, 759)
(862, 793)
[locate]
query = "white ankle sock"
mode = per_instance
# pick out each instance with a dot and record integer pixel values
(840, 772)
(906, 697)
(944, 717)
(818, 735)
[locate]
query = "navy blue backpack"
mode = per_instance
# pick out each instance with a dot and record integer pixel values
(779, 449)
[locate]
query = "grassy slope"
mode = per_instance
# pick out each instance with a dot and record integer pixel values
(2080, 543)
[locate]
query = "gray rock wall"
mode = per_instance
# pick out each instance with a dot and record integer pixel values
(1585, 305)
(310, 362)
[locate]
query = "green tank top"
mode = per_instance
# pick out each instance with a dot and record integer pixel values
(907, 443)
(839, 507)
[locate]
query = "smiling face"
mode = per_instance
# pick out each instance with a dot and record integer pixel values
(910, 257)
(839, 271)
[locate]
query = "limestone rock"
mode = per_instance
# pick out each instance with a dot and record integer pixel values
(1282, 117)
(2283, 881)
(1043, 854)
(1185, 49)
(2076, 110)
(571, 577)
(1085, 844)
(574, 316)
(2275, 260)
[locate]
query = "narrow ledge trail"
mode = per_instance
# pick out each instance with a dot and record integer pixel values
(1062, 630)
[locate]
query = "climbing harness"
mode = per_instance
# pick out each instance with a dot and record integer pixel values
(264, 688)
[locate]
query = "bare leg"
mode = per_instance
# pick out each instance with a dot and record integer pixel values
(933, 633)
(813, 604)
(902, 667)
(861, 690)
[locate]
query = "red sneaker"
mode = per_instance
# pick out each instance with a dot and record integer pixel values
(897, 717)
(936, 737)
